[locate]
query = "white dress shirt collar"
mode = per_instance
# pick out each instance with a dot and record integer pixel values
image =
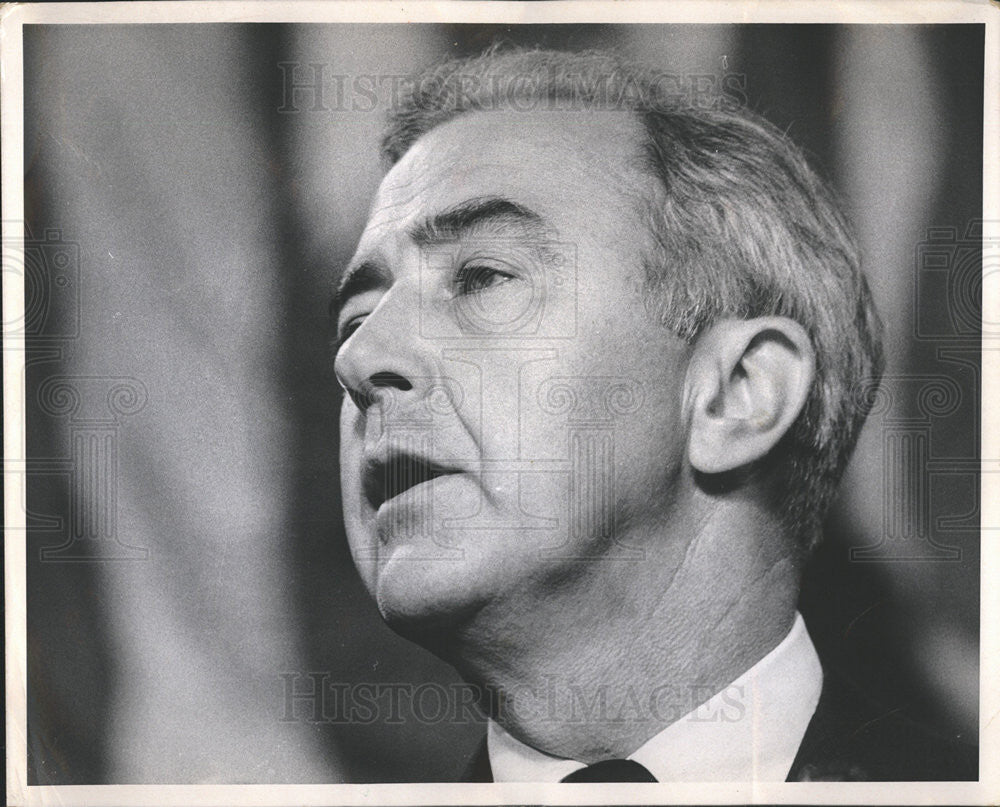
(748, 731)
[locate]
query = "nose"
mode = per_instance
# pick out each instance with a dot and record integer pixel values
(384, 357)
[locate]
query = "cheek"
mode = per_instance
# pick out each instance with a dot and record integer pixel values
(358, 522)
(348, 418)
(350, 454)
(651, 449)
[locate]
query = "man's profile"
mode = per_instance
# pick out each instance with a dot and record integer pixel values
(602, 355)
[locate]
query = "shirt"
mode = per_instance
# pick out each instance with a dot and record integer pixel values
(748, 731)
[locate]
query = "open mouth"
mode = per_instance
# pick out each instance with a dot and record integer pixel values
(386, 479)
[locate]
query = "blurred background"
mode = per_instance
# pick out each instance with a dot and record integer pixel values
(191, 192)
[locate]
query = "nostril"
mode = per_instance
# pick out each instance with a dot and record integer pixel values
(379, 388)
(390, 380)
(362, 398)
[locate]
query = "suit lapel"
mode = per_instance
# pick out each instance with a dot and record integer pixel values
(478, 769)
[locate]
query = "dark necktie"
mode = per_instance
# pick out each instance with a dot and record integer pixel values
(611, 770)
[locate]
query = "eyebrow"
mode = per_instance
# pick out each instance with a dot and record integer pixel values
(487, 212)
(494, 212)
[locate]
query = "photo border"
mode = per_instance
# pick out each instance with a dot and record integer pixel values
(986, 790)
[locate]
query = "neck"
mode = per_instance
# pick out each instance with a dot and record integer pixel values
(610, 657)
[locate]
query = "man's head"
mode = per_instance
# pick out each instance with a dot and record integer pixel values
(582, 321)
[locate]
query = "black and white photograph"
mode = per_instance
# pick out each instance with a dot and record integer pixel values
(501, 403)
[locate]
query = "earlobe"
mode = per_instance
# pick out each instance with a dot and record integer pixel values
(747, 382)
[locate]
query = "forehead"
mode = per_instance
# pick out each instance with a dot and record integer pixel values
(578, 170)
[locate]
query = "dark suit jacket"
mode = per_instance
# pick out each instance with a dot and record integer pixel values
(850, 738)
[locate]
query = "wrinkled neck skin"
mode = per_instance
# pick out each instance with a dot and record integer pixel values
(609, 656)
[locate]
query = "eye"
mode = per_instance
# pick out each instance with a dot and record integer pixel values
(347, 329)
(474, 278)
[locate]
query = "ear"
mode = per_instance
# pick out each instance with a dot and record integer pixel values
(746, 383)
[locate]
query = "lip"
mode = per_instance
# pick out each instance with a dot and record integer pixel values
(389, 476)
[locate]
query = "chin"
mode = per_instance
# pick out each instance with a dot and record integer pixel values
(425, 601)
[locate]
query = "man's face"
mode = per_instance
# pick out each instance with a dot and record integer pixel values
(514, 425)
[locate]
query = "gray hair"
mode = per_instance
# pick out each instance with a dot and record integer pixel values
(742, 228)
